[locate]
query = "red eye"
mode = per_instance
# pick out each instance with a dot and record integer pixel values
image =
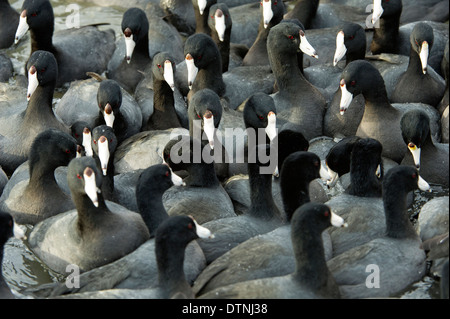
(95, 141)
(159, 66)
(167, 174)
(212, 16)
(78, 176)
(34, 14)
(261, 117)
(417, 43)
(43, 70)
(414, 175)
(77, 135)
(326, 214)
(68, 151)
(199, 116)
(275, 2)
(291, 37)
(316, 164)
(352, 83)
(351, 37)
(190, 225)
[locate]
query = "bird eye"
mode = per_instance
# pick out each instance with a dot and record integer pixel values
(414, 175)
(291, 37)
(190, 225)
(352, 83)
(34, 14)
(167, 173)
(351, 37)
(326, 214)
(78, 176)
(159, 66)
(68, 151)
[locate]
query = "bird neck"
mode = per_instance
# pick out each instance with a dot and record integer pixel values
(415, 65)
(89, 216)
(311, 267)
(42, 41)
(262, 204)
(170, 260)
(164, 105)
(395, 206)
(152, 210)
(294, 197)
(40, 104)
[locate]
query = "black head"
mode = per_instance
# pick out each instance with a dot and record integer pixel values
(39, 15)
(300, 167)
(156, 178)
(179, 231)
(354, 41)
(219, 11)
(159, 65)
(421, 34)
(203, 104)
(109, 96)
(84, 178)
(339, 156)
(285, 37)
(183, 151)
(167, 153)
(77, 130)
(54, 147)
(361, 76)
(315, 217)
(257, 109)
(43, 63)
(400, 180)
(202, 49)
(415, 125)
(391, 8)
(108, 133)
(135, 22)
